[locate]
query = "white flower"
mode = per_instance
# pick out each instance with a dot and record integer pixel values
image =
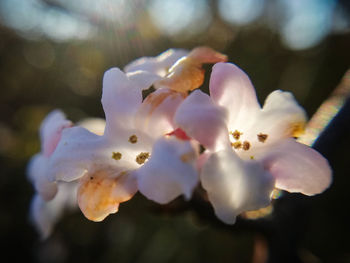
(250, 150)
(52, 199)
(107, 166)
(139, 149)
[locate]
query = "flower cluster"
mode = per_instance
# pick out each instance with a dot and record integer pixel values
(153, 144)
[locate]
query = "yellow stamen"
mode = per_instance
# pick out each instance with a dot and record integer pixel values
(142, 157)
(133, 139)
(236, 145)
(236, 135)
(262, 137)
(246, 145)
(116, 155)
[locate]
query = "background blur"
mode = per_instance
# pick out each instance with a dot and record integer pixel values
(53, 54)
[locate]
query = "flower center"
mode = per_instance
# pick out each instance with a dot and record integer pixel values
(238, 144)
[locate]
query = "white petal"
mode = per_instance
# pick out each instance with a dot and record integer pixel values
(231, 88)
(120, 99)
(281, 117)
(94, 125)
(76, 152)
(204, 121)
(37, 173)
(170, 172)
(234, 185)
(297, 167)
(51, 129)
(80, 151)
(122, 96)
(142, 79)
(155, 116)
(158, 65)
(45, 214)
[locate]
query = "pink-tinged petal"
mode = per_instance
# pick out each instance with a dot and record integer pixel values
(231, 88)
(234, 185)
(42, 216)
(158, 65)
(297, 167)
(122, 96)
(100, 194)
(204, 121)
(45, 214)
(155, 116)
(170, 172)
(51, 129)
(94, 125)
(37, 173)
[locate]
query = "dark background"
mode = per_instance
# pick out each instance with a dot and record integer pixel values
(53, 54)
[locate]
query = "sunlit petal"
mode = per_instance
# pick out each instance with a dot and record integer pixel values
(231, 88)
(234, 185)
(170, 172)
(158, 65)
(204, 121)
(297, 167)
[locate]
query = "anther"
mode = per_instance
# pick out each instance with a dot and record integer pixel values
(133, 139)
(236, 135)
(142, 157)
(116, 155)
(236, 145)
(246, 145)
(262, 137)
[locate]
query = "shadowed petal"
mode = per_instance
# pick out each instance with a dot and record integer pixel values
(37, 173)
(51, 129)
(45, 214)
(234, 185)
